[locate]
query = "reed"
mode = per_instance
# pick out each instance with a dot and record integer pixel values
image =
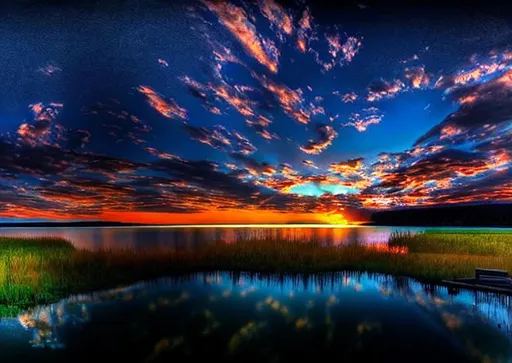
(41, 271)
(453, 242)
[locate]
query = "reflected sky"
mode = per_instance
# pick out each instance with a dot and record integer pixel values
(94, 238)
(189, 238)
(228, 316)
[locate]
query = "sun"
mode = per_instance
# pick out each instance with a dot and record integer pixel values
(335, 218)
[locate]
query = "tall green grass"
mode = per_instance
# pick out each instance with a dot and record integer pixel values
(478, 244)
(40, 271)
(469, 231)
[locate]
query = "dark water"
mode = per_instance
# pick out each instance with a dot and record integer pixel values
(342, 317)
(94, 238)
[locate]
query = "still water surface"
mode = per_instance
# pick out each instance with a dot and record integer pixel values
(94, 238)
(342, 317)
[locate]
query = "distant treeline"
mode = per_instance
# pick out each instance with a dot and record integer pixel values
(67, 224)
(488, 215)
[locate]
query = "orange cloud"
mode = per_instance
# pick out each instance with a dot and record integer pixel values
(40, 132)
(277, 15)
(168, 108)
(237, 22)
(417, 77)
(351, 166)
(242, 105)
(305, 31)
(291, 101)
(310, 163)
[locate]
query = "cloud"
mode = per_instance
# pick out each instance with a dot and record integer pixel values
(254, 167)
(277, 16)
(237, 22)
(218, 137)
(50, 69)
(349, 97)
(291, 101)
(326, 134)
(43, 130)
(440, 170)
(477, 73)
(350, 48)
(236, 99)
(492, 104)
(305, 31)
(310, 164)
(166, 107)
(260, 126)
(341, 53)
(163, 62)
(120, 123)
(347, 167)
(383, 89)
(361, 121)
(417, 77)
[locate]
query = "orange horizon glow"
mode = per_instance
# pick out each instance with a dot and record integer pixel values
(242, 217)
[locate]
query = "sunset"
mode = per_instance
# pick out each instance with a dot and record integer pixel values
(283, 114)
(255, 181)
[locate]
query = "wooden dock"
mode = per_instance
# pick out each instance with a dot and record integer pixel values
(489, 280)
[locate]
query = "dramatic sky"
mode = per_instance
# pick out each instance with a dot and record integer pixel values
(261, 111)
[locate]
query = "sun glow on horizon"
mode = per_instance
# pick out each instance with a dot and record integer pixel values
(335, 218)
(238, 218)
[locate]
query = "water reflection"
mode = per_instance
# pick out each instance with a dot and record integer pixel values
(222, 315)
(94, 238)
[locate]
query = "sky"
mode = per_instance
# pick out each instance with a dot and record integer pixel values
(251, 112)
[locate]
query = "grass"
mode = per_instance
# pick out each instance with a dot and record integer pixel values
(453, 242)
(40, 271)
(469, 231)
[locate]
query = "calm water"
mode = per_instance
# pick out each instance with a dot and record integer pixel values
(94, 238)
(343, 317)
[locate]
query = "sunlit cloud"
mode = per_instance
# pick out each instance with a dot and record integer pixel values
(238, 23)
(277, 15)
(350, 48)
(291, 101)
(166, 107)
(361, 120)
(383, 89)
(310, 164)
(417, 77)
(305, 31)
(326, 135)
(43, 130)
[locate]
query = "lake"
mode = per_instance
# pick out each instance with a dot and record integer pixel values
(349, 317)
(94, 238)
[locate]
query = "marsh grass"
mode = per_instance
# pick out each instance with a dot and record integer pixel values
(40, 271)
(453, 242)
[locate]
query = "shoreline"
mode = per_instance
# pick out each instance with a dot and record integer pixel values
(250, 225)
